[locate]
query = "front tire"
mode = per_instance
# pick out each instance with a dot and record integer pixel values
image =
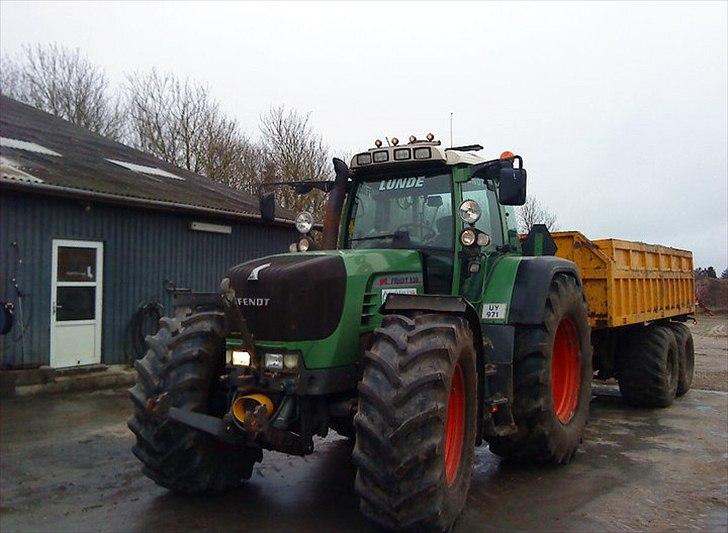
(183, 360)
(416, 422)
(552, 376)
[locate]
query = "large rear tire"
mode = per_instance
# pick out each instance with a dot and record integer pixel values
(686, 357)
(552, 376)
(648, 368)
(183, 360)
(416, 422)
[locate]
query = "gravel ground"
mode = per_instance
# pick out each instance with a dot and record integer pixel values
(710, 335)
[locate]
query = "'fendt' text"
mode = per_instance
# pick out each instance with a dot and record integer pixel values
(256, 302)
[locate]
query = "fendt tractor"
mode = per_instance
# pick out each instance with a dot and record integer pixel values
(420, 325)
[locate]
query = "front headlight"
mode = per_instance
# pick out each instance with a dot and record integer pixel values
(290, 360)
(279, 362)
(468, 237)
(483, 239)
(470, 211)
(304, 222)
(303, 245)
(273, 361)
(238, 357)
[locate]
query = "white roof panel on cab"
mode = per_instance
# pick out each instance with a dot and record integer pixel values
(419, 151)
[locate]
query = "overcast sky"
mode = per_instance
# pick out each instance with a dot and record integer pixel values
(618, 109)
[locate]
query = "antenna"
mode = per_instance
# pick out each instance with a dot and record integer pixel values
(450, 129)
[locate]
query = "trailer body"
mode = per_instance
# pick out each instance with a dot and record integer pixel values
(629, 282)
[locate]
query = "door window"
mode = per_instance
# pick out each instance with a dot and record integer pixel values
(76, 264)
(75, 303)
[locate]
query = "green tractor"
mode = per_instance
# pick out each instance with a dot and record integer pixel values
(421, 328)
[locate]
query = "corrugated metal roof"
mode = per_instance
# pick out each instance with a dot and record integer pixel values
(93, 166)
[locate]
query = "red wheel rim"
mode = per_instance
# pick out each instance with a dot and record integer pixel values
(565, 371)
(454, 425)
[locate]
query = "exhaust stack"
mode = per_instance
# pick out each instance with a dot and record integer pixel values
(334, 205)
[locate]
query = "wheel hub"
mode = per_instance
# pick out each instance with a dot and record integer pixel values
(565, 371)
(454, 425)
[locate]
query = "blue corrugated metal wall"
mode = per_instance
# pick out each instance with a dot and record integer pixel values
(142, 248)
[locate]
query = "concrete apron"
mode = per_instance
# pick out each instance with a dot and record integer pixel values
(638, 469)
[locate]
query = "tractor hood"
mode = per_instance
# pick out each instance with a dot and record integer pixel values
(321, 303)
(291, 297)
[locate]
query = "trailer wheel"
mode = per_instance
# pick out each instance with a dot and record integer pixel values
(183, 360)
(552, 376)
(685, 355)
(648, 368)
(416, 422)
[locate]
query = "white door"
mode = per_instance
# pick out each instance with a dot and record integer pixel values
(76, 292)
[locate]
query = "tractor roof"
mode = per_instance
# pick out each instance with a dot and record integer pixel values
(415, 152)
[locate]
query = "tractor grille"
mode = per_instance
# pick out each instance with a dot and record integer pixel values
(369, 308)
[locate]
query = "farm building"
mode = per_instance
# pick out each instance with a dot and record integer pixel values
(95, 234)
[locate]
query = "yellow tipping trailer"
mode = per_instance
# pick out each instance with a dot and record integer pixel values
(629, 282)
(639, 298)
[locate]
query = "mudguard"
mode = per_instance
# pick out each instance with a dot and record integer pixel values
(532, 284)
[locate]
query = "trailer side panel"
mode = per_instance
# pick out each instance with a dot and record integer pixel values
(630, 282)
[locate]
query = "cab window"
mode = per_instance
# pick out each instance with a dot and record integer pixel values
(489, 222)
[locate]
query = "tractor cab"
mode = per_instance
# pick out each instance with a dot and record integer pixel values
(448, 204)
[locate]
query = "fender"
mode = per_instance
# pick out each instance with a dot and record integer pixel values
(527, 307)
(402, 303)
(532, 284)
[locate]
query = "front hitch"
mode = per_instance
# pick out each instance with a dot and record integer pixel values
(161, 408)
(253, 428)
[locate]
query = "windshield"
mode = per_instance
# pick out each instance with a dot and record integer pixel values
(409, 212)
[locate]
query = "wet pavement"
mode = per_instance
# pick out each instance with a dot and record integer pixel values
(66, 465)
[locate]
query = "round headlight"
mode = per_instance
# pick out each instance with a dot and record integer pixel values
(483, 239)
(468, 237)
(470, 211)
(293, 247)
(304, 222)
(304, 244)
(290, 360)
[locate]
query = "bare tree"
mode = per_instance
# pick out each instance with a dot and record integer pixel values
(179, 121)
(173, 119)
(534, 212)
(63, 82)
(293, 151)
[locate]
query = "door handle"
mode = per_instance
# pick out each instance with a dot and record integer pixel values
(56, 307)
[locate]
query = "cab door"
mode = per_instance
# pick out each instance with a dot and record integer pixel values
(490, 222)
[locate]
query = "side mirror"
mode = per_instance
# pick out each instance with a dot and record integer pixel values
(267, 205)
(434, 201)
(512, 186)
